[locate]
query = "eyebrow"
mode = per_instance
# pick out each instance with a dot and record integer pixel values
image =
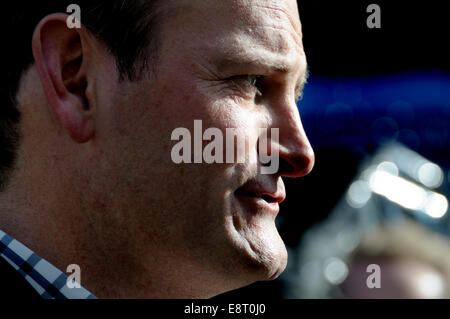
(276, 65)
(240, 61)
(301, 84)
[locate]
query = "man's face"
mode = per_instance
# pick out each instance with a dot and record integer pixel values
(231, 64)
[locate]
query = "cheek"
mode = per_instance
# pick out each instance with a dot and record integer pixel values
(238, 119)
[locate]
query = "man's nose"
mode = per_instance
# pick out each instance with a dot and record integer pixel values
(295, 152)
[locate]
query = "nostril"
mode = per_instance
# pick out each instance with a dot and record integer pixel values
(285, 167)
(297, 166)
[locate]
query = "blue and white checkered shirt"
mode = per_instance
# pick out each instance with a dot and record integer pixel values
(46, 279)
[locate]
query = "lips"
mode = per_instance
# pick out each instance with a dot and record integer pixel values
(269, 197)
(261, 197)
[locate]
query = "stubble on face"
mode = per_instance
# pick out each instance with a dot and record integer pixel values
(188, 214)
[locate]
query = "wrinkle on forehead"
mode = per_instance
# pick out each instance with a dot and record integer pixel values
(273, 14)
(229, 15)
(270, 40)
(261, 29)
(268, 30)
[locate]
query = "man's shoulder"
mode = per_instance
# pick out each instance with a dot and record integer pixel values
(13, 285)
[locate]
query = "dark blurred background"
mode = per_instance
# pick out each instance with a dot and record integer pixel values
(370, 91)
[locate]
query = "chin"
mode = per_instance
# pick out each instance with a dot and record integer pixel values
(260, 253)
(267, 259)
(276, 266)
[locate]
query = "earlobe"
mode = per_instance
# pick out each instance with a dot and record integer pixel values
(61, 59)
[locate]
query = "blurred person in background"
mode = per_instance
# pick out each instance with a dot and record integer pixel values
(414, 264)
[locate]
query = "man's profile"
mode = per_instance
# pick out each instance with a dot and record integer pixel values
(85, 135)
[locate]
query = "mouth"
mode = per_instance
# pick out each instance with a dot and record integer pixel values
(260, 199)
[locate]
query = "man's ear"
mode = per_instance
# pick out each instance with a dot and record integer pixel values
(60, 54)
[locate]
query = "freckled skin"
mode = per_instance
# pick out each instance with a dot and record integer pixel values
(179, 231)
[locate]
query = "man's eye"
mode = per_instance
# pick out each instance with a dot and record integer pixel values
(249, 83)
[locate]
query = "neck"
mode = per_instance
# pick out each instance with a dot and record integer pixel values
(53, 215)
(44, 214)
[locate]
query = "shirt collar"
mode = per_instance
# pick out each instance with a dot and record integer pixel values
(46, 279)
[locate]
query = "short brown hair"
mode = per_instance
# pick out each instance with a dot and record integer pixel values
(126, 27)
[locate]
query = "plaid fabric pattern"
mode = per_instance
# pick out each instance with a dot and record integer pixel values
(46, 279)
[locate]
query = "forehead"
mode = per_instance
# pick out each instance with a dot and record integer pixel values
(235, 14)
(251, 28)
